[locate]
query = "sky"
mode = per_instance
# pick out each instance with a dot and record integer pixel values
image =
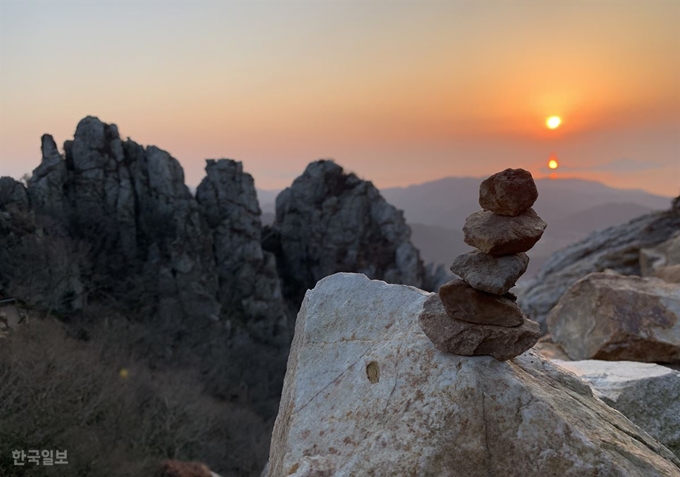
(398, 92)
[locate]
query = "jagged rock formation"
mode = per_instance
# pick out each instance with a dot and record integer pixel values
(110, 225)
(13, 197)
(131, 206)
(16, 215)
(645, 393)
(43, 272)
(147, 235)
(46, 186)
(616, 248)
(366, 393)
(248, 281)
(329, 221)
(614, 317)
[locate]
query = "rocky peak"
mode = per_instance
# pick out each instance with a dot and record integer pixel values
(46, 185)
(12, 195)
(132, 208)
(16, 218)
(50, 153)
(330, 221)
(248, 283)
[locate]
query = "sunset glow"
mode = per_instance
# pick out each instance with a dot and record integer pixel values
(553, 122)
(552, 164)
(398, 92)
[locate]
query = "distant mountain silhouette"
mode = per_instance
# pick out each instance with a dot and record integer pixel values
(267, 199)
(447, 202)
(573, 208)
(438, 244)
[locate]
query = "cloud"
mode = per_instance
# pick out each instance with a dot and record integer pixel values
(625, 165)
(616, 165)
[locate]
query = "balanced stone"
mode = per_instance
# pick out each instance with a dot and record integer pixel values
(499, 235)
(464, 303)
(510, 192)
(490, 273)
(467, 339)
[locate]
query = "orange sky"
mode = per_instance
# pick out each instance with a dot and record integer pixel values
(398, 92)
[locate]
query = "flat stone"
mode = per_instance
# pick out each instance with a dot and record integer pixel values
(509, 192)
(464, 303)
(490, 273)
(617, 317)
(499, 235)
(467, 339)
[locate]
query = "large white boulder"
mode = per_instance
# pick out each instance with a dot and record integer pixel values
(645, 393)
(367, 393)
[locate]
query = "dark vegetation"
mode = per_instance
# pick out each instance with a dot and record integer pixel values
(61, 393)
(196, 390)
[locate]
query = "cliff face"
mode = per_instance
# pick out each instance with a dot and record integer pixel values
(248, 282)
(197, 257)
(329, 221)
(130, 205)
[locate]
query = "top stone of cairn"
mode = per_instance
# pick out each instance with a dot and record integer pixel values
(508, 193)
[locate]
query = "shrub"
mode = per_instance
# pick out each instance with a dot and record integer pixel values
(59, 393)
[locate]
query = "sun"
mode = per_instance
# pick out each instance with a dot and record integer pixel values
(553, 122)
(552, 164)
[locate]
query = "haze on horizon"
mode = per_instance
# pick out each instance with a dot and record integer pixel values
(398, 92)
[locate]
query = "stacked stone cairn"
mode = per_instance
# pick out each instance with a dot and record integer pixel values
(476, 314)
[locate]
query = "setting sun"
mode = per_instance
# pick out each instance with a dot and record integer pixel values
(552, 164)
(553, 122)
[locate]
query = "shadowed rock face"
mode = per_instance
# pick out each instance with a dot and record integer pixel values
(614, 317)
(248, 280)
(13, 196)
(616, 248)
(189, 257)
(46, 186)
(130, 204)
(329, 221)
